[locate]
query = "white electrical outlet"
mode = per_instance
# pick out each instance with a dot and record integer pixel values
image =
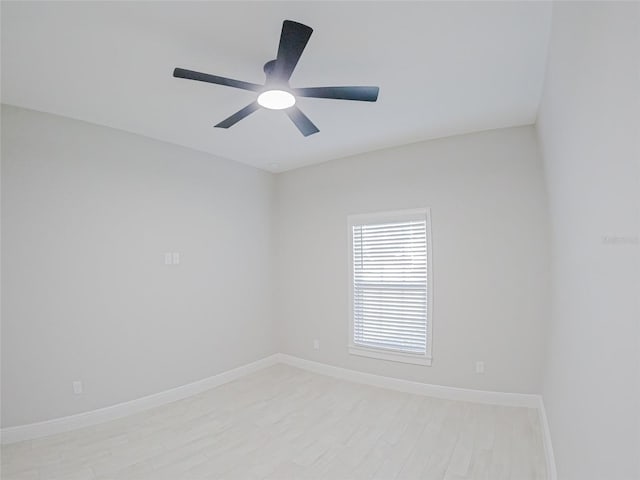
(316, 344)
(77, 387)
(479, 367)
(176, 258)
(167, 258)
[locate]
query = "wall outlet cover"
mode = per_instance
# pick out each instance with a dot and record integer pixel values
(77, 387)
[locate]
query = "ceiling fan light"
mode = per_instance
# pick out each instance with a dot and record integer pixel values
(276, 99)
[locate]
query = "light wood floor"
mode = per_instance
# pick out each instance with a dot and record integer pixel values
(286, 423)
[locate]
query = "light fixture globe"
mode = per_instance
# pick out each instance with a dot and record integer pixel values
(276, 99)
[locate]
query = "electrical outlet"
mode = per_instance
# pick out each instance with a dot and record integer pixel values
(479, 367)
(176, 258)
(316, 344)
(167, 258)
(77, 387)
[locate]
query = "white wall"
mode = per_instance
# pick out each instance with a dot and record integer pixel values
(87, 214)
(589, 126)
(490, 255)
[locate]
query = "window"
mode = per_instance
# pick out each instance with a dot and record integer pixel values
(391, 286)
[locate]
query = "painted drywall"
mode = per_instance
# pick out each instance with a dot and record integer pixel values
(490, 255)
(87, 215)
(589, 129)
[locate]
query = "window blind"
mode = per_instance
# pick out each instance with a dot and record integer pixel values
(390, 286)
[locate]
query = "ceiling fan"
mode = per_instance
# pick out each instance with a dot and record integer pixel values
(276, 94)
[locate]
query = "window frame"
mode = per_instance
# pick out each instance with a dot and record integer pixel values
(383, 353)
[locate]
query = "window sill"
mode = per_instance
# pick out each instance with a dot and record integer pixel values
(390, 355)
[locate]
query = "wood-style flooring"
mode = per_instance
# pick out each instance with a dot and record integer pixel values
(285, 423)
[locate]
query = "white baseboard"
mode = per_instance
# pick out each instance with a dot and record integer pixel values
(65, 424)
(552, 473)
(438, 391)
(72, 422)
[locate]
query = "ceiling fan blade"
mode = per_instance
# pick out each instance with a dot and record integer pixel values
(239, 115)
(363, 94)
(301, 121)
(205, 77)
(293, 39)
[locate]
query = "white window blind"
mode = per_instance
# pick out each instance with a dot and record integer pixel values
(390, 282)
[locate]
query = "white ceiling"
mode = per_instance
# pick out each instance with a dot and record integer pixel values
(443, 68)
